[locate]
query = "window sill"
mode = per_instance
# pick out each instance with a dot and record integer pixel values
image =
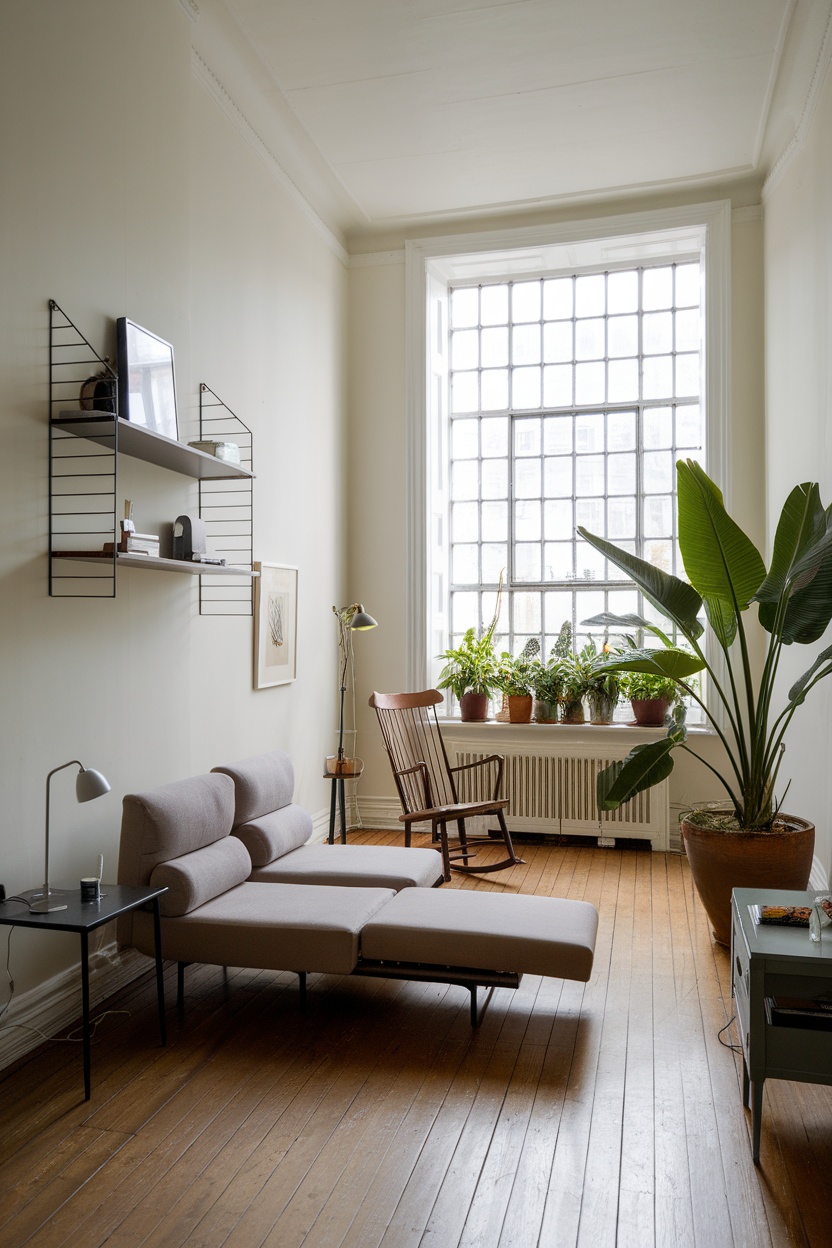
(499, 731)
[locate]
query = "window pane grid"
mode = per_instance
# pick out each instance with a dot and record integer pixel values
(571, 399)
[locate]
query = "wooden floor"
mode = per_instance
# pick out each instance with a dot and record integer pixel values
(598, 1114)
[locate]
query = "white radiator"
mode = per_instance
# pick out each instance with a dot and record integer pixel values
(550, 783)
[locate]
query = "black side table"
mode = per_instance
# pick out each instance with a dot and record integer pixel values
(84, 917)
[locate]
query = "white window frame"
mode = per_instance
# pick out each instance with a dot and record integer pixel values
(568, 246)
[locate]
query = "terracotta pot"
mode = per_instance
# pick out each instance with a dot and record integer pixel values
(650, 712)
(720, 861)
(473, 707)
(520, 708)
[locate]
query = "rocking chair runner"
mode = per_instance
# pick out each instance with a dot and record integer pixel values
(427, 784)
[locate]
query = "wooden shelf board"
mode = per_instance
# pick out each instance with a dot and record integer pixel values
(154, 448)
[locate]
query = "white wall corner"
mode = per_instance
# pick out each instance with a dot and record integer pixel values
(804, 125)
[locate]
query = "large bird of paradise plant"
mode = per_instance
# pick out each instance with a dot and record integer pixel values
(727, 576)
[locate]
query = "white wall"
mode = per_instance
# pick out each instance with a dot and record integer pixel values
(379, 470)
(798, 260)
(125, 190)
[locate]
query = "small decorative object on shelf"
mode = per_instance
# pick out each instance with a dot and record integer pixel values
(98, 393)
(228, 452)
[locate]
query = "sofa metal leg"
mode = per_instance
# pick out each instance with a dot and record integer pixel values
(302, 989)
(473, 990)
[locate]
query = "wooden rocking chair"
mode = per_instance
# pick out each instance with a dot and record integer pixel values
(427, 784)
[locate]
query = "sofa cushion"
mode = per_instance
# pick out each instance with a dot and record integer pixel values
(361, 866)
(170, 821)
(196, 878)
(262, 783)
(278, 927)
(488, 931)
(275, 834)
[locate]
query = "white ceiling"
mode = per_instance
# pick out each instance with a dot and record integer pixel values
(430, 109)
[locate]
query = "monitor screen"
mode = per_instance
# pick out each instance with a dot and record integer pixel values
(146, 386)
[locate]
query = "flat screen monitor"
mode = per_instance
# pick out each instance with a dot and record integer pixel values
(146, 384)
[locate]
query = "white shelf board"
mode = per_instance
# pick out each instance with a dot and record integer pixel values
(154, 448)
(150, 563)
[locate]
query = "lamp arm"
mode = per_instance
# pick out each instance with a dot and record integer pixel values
(72, 762)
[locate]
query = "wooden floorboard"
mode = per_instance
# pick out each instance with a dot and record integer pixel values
(605, 1113)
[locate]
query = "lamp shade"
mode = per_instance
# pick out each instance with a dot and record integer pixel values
(89, 784)
(361, 620)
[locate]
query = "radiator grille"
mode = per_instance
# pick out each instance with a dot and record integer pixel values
(556, 793)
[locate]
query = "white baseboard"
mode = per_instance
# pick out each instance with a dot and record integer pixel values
(54, 1004)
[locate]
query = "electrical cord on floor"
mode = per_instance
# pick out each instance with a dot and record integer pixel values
(72, 1038)
(735, 1048)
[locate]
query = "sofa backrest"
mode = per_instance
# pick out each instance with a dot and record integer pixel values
(266, 819)
(186, 824)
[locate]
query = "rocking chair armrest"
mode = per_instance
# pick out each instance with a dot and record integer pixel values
(420, 768)
(499, 759)
(453, 811)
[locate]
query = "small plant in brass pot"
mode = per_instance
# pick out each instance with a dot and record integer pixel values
(752, 844)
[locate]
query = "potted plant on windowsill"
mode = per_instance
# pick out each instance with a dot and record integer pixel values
(470, 672)
(603, 687)
(548, 687)
(751, 843)
(651, 697)
(517, 677)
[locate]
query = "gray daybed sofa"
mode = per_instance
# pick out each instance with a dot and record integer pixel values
(220, 910)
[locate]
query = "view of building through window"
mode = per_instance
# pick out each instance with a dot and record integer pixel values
(571, 398)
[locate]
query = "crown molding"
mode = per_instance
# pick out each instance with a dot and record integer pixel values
(191, 8)
(371, 259)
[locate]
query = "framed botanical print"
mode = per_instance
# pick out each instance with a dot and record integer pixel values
(275, 624)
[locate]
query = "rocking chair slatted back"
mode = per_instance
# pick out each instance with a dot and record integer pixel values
(425, 779)
(410, 730)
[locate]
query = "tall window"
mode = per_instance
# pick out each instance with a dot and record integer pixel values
(571, 397)
(555, 375)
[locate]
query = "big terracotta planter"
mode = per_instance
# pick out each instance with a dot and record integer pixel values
(721, 861)
(520, 708)
(473, 707)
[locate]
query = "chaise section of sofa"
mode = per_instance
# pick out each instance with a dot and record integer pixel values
(276, 831)
(180, 837)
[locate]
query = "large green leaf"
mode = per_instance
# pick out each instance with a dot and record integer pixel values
(606, 619)
(721, 561)
(798, 690)
(723, 620)
(643, 767)
(674, 598)
(668, 662)
(808, 612)
(801, 531)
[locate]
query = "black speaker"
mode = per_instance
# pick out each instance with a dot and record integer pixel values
(188, 537)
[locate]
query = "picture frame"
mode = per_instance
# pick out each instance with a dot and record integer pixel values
(146, 379)
(275, 624)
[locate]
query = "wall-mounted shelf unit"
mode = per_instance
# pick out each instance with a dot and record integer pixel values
(84, 449)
